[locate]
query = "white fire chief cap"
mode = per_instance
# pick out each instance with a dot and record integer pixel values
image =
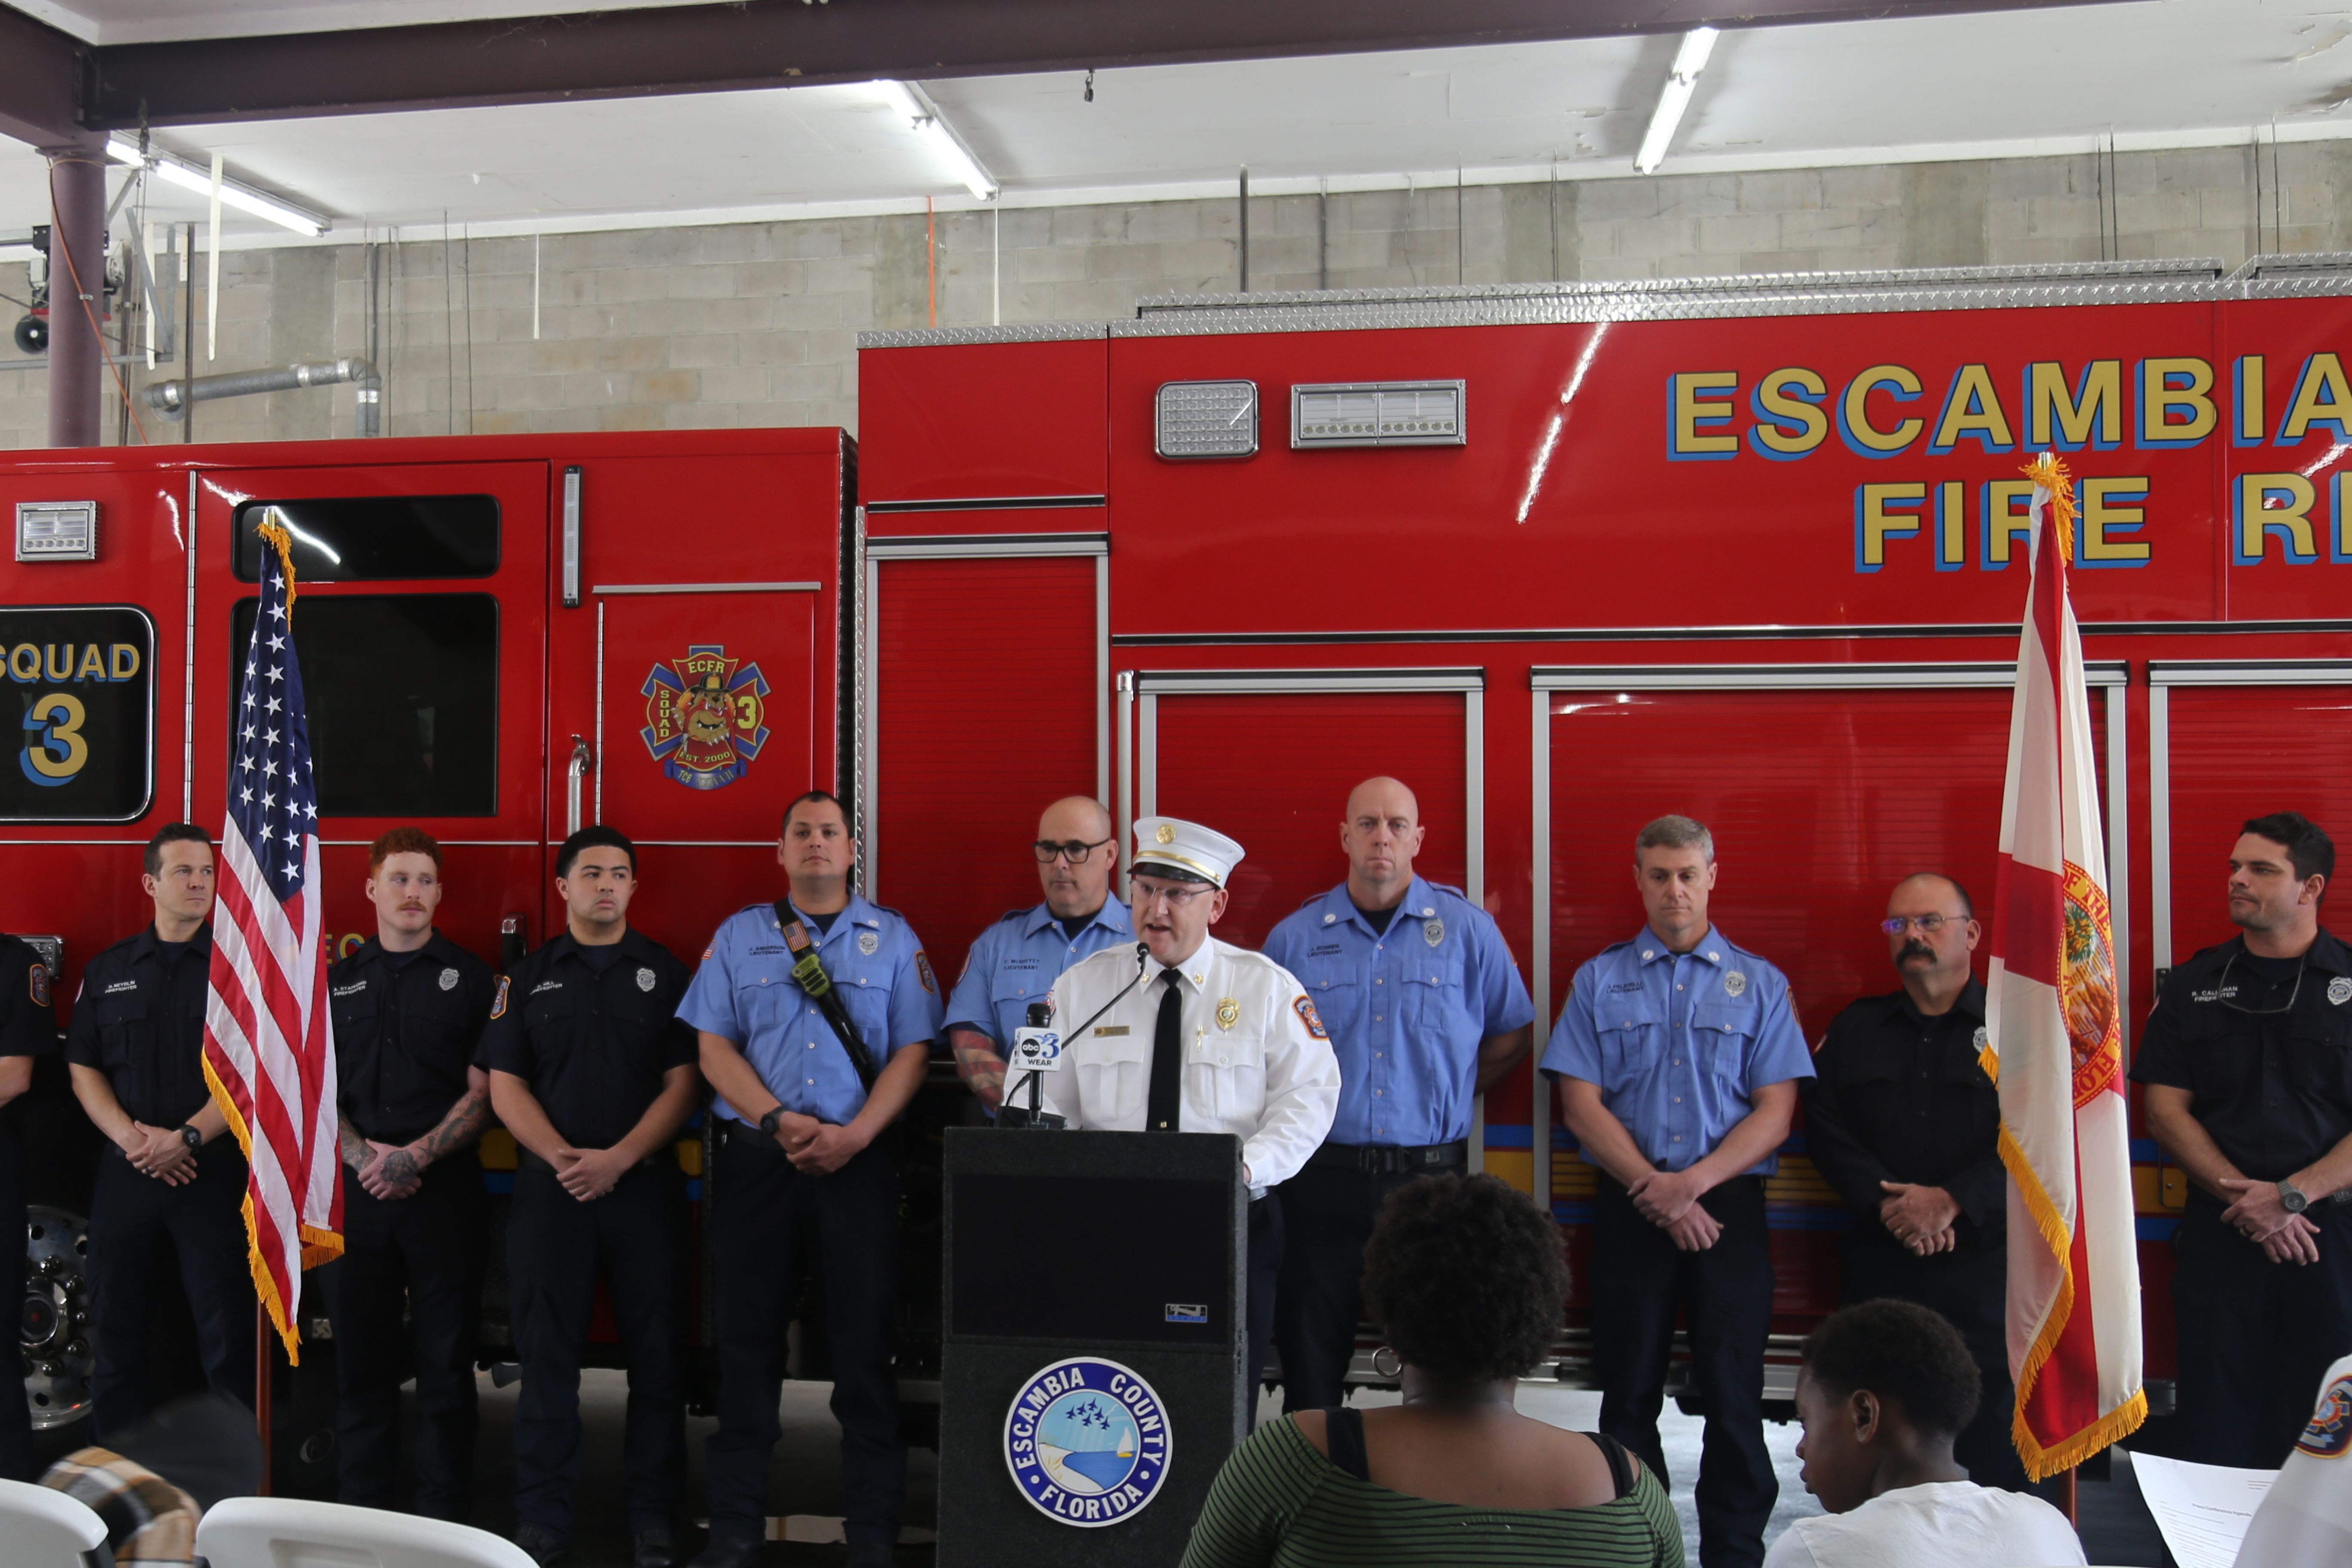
(1183, 851)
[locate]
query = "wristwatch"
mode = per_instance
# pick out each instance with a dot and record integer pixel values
(769, 1122)
(196, 1139)
(2291, 1198)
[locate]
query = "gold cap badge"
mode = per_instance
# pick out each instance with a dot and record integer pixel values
(1166, 832)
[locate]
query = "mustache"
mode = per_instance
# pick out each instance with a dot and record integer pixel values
(1915, 948)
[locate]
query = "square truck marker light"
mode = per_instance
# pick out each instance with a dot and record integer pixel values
(56, 530)
(1205, 419)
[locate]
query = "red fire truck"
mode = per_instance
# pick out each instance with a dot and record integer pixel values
(1750, 549)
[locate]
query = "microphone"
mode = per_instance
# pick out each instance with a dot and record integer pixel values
(1040, 1015)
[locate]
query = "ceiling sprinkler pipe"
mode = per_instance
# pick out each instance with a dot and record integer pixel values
(171, 398)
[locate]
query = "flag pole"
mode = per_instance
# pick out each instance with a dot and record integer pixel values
(2066, 1499)
(262, 1333)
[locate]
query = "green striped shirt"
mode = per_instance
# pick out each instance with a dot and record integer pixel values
(1277, 1503)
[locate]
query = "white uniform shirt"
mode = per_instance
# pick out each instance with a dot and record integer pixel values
(1943, 1524)
(1257, 1060)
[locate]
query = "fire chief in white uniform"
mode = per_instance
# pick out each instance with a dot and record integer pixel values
(1209, 1038)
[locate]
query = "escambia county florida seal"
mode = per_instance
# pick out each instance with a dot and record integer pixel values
(1088, 1442)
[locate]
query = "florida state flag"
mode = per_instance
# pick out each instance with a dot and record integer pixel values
(2055, 1044)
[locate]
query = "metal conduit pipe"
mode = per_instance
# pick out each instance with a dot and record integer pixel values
(171, 398)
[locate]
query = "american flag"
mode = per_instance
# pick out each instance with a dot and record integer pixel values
(267, 1051)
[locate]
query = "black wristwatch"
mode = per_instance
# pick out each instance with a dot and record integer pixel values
(191, 1137)
(768, 1123)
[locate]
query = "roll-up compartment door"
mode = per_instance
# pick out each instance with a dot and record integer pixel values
(986, 705)
(1819, 801)
(709, 707)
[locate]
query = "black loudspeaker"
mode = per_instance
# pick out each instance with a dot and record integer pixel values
(1091, 1376)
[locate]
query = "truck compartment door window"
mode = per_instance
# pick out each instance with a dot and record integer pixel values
(376, 539)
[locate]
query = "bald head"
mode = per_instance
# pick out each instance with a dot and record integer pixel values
(1076, 884)
(1926, 889)
(1381, 835)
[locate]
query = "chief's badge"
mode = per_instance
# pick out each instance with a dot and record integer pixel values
(2330, 1436)
(2339, 991)
(644, 979)
(1309, 1016)
(1734, 983)
(1088, 1442)
(1229, 1013)
(1432, 931)
(499, 1003)
(448, 980)
(1164, 833)
(40, 983)
(703, 716)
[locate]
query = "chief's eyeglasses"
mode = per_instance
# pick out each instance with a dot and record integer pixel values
(1075, 851)
(1177, 898)
(1895, 925)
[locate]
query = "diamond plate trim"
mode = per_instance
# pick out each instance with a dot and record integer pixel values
(1032, 332)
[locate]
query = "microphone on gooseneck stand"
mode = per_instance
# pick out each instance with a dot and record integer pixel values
(1038, 1049)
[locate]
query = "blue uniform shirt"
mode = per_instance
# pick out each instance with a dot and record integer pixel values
(1406, 1010)
(1015, 962)
(1679, 1042)
(744, 992)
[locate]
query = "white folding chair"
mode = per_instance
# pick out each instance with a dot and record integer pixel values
(44, 1528)
(289, 1532)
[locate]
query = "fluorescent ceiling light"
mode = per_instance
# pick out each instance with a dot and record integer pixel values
(234, 194)
(1689, 60)
(923, 117)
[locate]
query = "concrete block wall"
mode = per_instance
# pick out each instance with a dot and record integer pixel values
(756, 323)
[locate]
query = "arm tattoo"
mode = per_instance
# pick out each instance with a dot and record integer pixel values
(982, 1070)
(465, 1122)
(355, 1147)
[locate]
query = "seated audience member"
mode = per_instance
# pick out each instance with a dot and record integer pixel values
(1884, 1389)
(1466, 1279)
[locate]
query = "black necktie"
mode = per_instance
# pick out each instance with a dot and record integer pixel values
(1159, 1114)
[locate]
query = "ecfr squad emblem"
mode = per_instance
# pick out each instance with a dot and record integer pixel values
(2330, 1436)
(1088, 1442)
(703, 717)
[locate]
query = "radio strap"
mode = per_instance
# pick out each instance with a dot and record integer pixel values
(808, 972)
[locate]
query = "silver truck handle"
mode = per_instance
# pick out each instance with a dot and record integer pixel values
(583, 759)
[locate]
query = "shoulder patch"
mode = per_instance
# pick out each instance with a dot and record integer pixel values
(499, 1003)
(1306, 1016)
(923, 972)
(39, 979)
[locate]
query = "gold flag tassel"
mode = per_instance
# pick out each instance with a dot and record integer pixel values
(275, 535)
(2045, 471)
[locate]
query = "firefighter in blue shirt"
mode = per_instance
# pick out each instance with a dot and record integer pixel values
(1425, 1009)
(806, 1100)
(1677, 1056)
(1013, 963)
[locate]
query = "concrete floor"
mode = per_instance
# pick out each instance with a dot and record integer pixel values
(806, 1478)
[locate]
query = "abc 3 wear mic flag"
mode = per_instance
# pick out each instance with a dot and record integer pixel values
(2055, 1044)
(269, 1056)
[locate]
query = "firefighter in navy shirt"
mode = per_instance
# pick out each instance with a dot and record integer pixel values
(28, 1028)
(1014, 961)
(2246, 1073)
(806, 1158)
(173, 1185)
(1677, 1056)
(593, 1075)
(408, 1008)
(1424, 1009)
(1904, 1121)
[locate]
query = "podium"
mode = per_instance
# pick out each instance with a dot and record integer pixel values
(1091, 1365)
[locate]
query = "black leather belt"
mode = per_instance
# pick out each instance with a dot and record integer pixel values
(1377, 1160)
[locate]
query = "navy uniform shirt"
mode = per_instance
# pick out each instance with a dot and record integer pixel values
(590, 1031)
(406, 1028)
(1679, 1042)
(28, 1025)
(2272, 1088)
(1899, 1097)
(1407, 1008)
(745, 992)
(139, 1019)
(1015, 962)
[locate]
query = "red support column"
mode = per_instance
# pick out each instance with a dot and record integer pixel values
(76, 293)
